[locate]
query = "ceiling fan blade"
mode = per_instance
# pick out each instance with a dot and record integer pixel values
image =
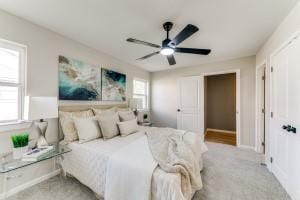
(171, 60)
(142, 42)
(193, 51)
(148, 56)
(184, 34)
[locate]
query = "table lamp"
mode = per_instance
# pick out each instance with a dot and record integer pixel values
(37, 109)
(135, 104)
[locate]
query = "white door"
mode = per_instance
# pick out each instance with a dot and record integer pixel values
(285, 137)
(190, 104)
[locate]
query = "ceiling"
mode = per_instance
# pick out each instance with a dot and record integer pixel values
(231, 28)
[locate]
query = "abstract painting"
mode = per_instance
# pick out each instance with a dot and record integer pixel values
(78, 80)
(113, 86)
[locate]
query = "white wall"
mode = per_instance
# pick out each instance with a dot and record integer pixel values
(289, 26)
(43, 49)
(164, 93)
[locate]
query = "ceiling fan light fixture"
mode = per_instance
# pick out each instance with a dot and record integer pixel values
(166, 51)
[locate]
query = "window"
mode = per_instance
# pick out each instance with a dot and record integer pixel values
(12, 66)
(140, 91)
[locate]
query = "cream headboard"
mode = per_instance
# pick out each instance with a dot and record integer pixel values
(81, 107)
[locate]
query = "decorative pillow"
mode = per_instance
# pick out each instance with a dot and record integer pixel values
(109, 125)
(67, 123)
(111, 111)
(128, 127)
(87, 128)
(126, 116)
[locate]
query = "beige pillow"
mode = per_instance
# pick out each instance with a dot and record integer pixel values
(67, 123)
(126, 116)
(111, 111)
(109, 125)
(87, 128)
(128, 127)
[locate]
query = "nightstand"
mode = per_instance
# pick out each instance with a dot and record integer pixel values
(8, 164)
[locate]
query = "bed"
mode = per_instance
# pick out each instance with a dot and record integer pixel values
(88, 163)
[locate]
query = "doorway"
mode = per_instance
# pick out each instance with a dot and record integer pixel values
(221, 107)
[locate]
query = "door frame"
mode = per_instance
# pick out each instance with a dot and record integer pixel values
(258, 82)
(238, 99)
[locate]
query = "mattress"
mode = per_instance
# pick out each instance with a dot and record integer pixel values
(87, 162)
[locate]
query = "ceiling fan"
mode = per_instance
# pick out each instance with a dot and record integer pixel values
(169, 46)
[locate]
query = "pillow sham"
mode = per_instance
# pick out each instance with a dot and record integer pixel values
(128, 127)
(87, 128)
(104, 111)
(109, 125)
(126, 116)
(67, 123)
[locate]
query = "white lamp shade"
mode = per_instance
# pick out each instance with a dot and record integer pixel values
(136, 103)
(40, 108)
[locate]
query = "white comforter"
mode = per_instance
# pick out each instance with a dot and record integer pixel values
(88, 163)
(129, 172)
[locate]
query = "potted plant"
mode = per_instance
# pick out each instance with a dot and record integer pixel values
(20, 144)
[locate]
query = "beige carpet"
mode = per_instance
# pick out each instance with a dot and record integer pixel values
(229, 174)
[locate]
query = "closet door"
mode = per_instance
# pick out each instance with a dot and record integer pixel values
(285, 139)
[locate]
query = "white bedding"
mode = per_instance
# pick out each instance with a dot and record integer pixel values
(88, 163)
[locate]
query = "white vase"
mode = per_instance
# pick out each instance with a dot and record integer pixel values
(18, 152)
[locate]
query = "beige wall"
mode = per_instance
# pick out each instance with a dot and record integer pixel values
(164, 93)
(289, 26)
(221, 102)
(43, 48)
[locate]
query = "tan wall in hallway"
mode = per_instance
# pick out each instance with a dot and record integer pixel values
(221, 102)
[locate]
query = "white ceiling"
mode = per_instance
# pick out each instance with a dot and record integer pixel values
(231, 28)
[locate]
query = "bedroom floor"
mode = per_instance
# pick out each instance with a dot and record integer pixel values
(229, 174)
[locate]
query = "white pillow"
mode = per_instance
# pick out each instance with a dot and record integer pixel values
(67, 123)
(126, 115)
(87, 128)
(109, 125)
(128, 127)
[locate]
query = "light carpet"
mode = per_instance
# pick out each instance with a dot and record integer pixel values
(229, 174)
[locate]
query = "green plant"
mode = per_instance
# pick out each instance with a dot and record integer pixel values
(20, 140)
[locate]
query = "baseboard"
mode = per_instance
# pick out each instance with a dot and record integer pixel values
(29, 184)
(219, 130)
(246, 147)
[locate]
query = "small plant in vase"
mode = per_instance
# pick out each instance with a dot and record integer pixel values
(20, 144)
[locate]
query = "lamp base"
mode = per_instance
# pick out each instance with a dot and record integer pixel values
(42, 128)
(42, 142)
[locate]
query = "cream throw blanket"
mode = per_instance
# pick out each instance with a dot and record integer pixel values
(173, 154)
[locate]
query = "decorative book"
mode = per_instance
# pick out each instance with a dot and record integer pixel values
(37, 153)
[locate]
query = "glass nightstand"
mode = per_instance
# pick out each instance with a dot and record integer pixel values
(8, 164)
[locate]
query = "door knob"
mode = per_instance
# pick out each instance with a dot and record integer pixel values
(289, 128)
(284, 127)
(292, 129)
(178, 110)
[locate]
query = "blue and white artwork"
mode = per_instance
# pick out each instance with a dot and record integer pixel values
(78, 80)
(113, 86)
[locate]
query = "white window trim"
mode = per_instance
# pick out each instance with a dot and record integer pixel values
(142, 95)
(22, 74)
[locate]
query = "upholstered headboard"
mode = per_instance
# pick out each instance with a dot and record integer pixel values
(82, 107)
